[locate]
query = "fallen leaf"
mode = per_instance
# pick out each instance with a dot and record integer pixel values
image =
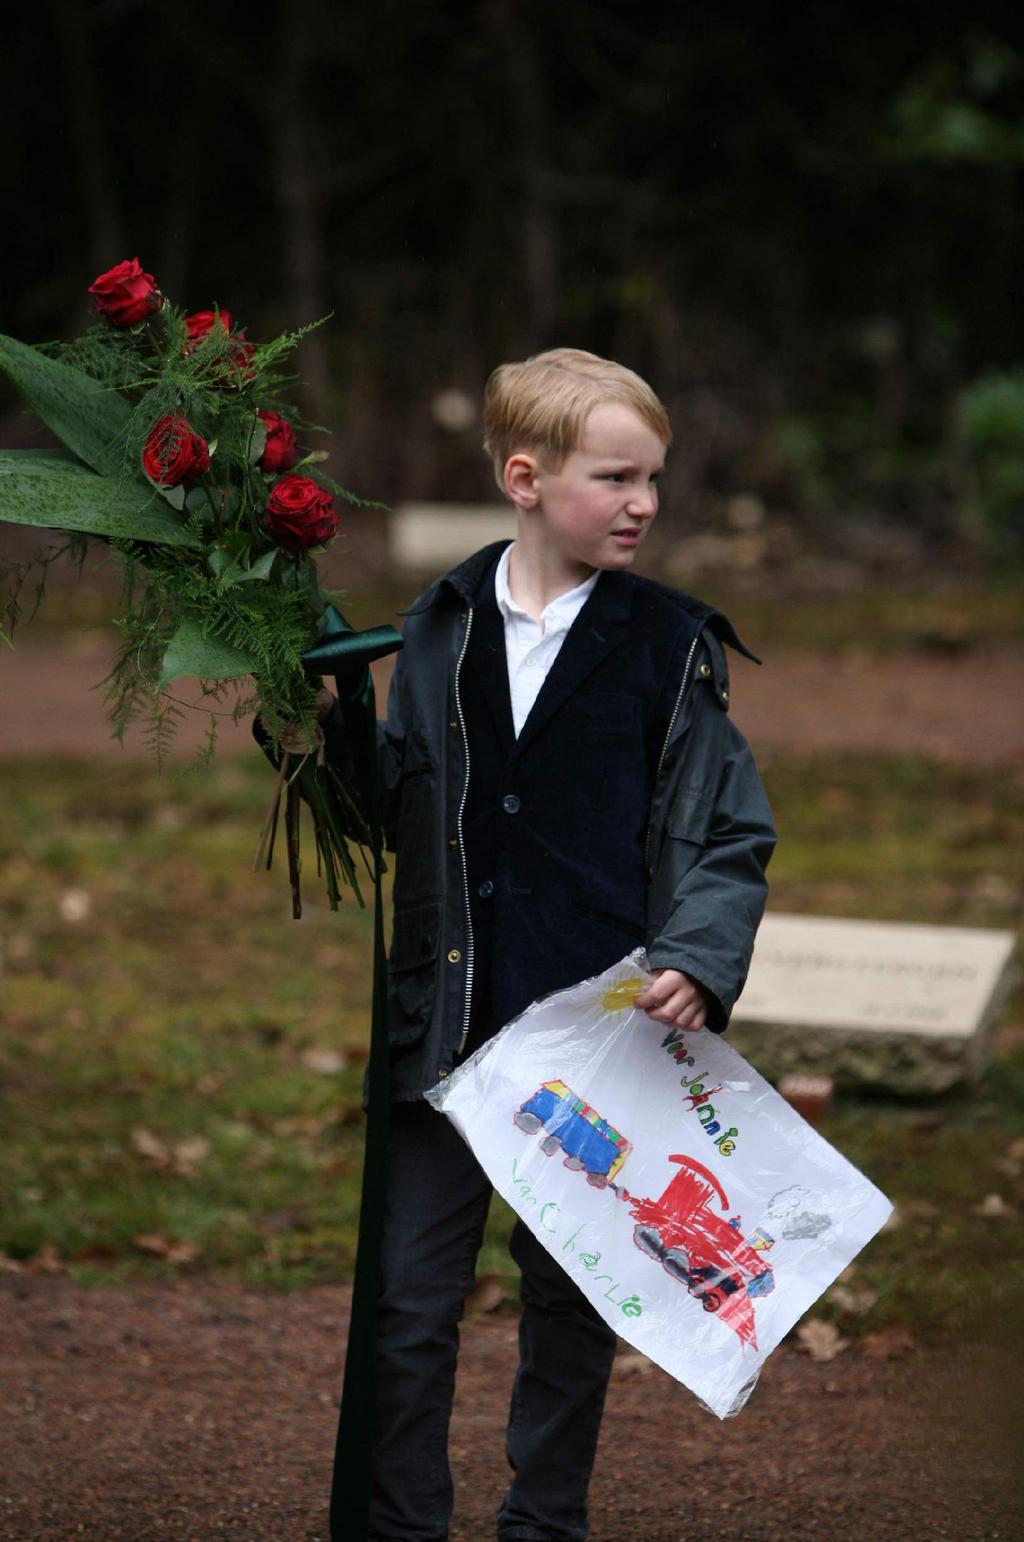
(327, 1061)
(888, 1344)
(1015, 1150)
(151, 1147)
(74, 905)
(308, 1124)
(46, 1261)
(95, 1253)
(487, 1294)
(856, 1301)
(631, 1365)
(993, 1207)
(175, 1249)
(821, 1340)
(9, 1265)
(209, 1083)
(189, 1153)
(1009, 1167)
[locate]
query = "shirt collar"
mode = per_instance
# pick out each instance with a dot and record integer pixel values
(560, 613)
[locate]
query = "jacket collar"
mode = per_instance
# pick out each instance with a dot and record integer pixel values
(612, 595)
(468, 576)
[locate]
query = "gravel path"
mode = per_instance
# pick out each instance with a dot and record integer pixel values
(191, 1411)
(961, 709)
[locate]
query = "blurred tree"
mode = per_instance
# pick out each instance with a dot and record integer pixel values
(804, 227)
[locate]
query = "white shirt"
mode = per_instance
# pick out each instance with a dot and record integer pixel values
(531, 647)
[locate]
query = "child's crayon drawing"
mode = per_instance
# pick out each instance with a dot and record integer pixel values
(688, 1230)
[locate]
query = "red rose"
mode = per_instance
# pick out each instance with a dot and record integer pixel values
(173, 453)
(281, 451)
(125, 295)
(202, 323)
(299, 513)
(239, 358)
(236, 361)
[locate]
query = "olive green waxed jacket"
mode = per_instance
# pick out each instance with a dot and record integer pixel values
(709, 832)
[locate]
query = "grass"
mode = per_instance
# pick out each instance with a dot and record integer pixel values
(167, 1030)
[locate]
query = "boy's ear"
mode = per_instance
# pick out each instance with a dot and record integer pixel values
(519, 480)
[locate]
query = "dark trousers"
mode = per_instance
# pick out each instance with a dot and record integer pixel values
(436, 1207)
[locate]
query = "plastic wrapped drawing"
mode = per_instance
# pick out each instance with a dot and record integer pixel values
(694, 1208)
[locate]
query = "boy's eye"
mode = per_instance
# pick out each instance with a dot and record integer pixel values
(615, 476)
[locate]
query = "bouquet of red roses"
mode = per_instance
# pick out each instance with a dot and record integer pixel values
(181, 455)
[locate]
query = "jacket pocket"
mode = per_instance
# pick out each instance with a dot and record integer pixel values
(689, 818)
(412, 972)
(416, 877)
(631, 928)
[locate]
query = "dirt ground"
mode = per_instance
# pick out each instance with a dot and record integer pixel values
(964, 708)
(194, 1411)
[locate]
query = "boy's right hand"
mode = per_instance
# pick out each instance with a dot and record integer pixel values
(675, 999)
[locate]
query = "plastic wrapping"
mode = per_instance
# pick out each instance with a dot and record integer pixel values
(697, 1211)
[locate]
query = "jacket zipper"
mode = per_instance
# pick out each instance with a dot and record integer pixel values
(462, 848)
(664, 748)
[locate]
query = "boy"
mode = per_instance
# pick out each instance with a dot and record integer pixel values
(561, 783)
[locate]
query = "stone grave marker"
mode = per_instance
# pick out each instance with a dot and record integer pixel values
(430, 537)
(879, 1003)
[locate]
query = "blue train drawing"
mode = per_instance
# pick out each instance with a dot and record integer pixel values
(590, 1143)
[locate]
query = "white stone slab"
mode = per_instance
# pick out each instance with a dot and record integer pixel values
(905, 1006)
(433, 536)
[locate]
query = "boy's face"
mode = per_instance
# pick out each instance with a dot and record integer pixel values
(598, 506)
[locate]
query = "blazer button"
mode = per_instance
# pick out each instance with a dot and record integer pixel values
(704, 671)
(454, 955)
(486, 889)
(511, 804)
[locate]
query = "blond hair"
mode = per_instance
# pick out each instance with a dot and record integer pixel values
(543, 404)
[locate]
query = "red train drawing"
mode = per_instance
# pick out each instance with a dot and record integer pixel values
(688, 1230)
(703, 1248)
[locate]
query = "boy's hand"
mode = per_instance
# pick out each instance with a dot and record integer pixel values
(293, 739)
(674, 999)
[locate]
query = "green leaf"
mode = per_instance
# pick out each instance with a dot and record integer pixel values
(189, 653)
(260, 568)
(257, 441)
(52, 490)
(91, 419)
(175, 496)
(228, 570)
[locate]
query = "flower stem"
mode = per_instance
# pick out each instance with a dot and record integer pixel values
(208, 489)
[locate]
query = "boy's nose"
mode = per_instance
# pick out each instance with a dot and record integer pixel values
(643, 505)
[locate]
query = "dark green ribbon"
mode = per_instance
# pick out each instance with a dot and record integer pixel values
(347, 655)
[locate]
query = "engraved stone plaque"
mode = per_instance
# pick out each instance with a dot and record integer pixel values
(906, 1007)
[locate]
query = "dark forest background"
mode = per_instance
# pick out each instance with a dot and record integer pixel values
(802, 225)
